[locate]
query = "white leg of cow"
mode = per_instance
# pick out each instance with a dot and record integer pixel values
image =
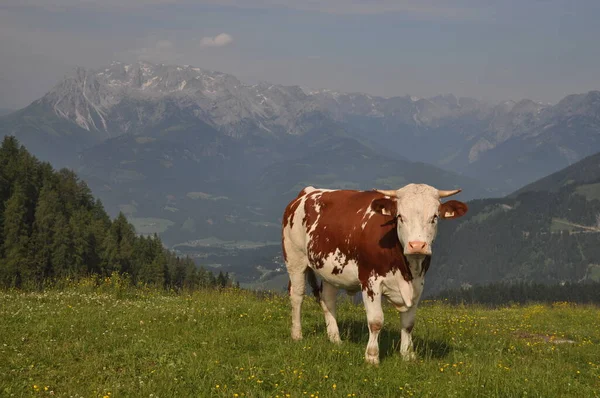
(297, 288)
(375, 321)
(328, 301)
(406, 344)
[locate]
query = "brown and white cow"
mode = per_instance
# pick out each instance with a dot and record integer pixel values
(377, 242)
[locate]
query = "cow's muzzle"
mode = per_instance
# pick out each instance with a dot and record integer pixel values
(418, 247)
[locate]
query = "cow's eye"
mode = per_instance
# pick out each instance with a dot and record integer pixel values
(434, 218)
(400, 218)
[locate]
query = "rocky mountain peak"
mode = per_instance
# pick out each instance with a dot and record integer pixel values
(91, 98)
(578, 104)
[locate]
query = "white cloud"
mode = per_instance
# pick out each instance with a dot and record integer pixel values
(220, 40)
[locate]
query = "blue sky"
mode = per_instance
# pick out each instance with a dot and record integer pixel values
(495, 50)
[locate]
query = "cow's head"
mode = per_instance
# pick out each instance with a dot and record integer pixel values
(417, 209)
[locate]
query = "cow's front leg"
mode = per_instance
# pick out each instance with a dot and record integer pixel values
(372, 301)
(328, 299)
(406, 343)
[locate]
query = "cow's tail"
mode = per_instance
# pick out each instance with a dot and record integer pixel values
(314, 284)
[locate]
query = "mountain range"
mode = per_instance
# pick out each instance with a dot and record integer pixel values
(506, 145)
(209, 162)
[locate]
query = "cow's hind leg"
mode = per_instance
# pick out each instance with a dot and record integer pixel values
(328, 301)
(372, 301)
(297, 287)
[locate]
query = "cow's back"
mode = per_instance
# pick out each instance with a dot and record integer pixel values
(322, 214)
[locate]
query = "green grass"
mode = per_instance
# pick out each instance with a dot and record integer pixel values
(590, 191)
(149, 225)
(226, 244)
(594, 272)
(489, 211)
(559, 224)
(204, 196)
(90, 343)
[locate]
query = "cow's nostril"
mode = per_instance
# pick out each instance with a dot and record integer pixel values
(417, 245)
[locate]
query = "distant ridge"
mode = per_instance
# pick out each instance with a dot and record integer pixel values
(585, 171)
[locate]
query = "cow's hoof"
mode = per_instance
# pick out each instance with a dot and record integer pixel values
(372, 360)
(372, 356)
(296, 336)
(335, 339)
(409, 356)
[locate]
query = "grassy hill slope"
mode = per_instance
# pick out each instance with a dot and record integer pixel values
(90, 342)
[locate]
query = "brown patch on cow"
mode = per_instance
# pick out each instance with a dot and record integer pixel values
(409, 328)
(370, 292)
(385, 206)
(290, 210)
(385, 254)
(337, 225)
(312, 217)
(375, 326)
(337, 270)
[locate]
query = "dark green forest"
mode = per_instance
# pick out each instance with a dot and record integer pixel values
(542, 237)
(52, 228)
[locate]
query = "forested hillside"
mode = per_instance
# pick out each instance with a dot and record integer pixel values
(545, 237)
(52, 228)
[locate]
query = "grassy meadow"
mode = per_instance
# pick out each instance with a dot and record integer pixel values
(109, 341)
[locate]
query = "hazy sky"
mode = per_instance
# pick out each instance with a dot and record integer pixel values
(490, 49)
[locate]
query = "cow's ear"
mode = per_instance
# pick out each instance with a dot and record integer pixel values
(384, 206)
(453, 209)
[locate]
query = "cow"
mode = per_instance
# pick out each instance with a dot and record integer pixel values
(377, 242)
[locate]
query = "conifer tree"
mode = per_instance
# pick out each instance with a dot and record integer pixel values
(42, 239)
(221, 280)
(15, 249)
(63, 262)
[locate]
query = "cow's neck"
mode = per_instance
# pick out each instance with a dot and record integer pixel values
(394, 281)
(415, 264)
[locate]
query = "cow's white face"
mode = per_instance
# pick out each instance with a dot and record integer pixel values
(417, 209)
